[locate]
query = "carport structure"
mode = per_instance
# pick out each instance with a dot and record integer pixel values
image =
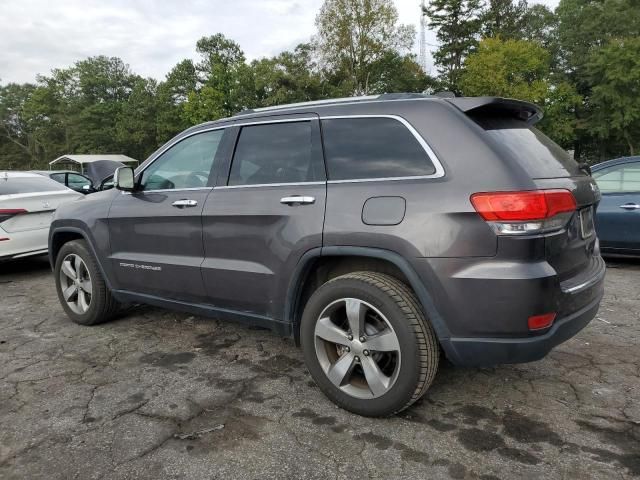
(96, 167)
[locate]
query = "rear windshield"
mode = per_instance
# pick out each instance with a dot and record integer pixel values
(12, 185)
(540, 156)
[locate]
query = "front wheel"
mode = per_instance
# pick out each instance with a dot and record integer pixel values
(367, 343)
(82, 291)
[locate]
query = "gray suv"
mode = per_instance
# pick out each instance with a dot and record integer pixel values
(381, 233)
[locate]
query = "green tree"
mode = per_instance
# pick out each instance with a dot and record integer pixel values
(289, 77)
(355, 34)
(585, 27)
(521, 69)
(458, 25)
(614, 71)
(172, 95)
(504, 18)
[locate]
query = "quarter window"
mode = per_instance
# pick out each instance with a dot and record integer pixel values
(273, 153)
(187, 164)
(619, 179)
(363, 148)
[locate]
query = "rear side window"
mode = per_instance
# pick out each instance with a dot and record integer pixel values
(364, 148)
(273, 153)
(13, 185)
(619, 179)
(540, 156)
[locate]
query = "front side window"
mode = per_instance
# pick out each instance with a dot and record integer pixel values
(364, 148)
(185, 165)
(77, 182)
(273, 153)
(619, 179)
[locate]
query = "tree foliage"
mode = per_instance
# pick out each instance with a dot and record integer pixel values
(580, 64)
(355, 35)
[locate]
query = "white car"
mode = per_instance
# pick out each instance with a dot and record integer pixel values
(27, 203)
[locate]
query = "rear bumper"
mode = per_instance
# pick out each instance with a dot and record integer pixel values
(481, 352)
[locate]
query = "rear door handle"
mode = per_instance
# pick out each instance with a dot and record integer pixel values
(294, 200)
(630, 206)
(184, 203)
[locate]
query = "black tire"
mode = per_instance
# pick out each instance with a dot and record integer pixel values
(102, 305)
(419, 349)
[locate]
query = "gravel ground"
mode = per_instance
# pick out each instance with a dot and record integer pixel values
(158, 394)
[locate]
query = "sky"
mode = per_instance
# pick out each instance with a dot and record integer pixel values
(153, 35)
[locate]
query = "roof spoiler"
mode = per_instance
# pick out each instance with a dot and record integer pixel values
(519, 109)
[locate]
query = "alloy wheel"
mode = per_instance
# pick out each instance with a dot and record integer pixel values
(357, 348)
(75, 283)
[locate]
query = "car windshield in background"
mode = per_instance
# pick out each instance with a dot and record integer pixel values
(540, 156)
(13, 185)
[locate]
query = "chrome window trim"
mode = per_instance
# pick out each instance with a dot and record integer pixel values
(292, 184)
(167, 190)
(439, 173)
(145, 165)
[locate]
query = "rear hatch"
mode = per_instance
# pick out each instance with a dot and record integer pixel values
(571, 251)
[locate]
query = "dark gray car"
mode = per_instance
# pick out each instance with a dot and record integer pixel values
(379, 232)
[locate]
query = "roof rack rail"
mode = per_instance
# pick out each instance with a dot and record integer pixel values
(337, 101)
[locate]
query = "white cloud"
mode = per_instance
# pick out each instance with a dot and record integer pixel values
(151, 36)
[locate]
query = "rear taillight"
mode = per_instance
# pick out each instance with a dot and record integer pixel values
(513, 213)
(7, 213)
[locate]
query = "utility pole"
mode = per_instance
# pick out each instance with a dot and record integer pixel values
(423, 37)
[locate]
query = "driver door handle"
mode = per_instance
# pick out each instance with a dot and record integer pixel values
(630, 206)
(294, 200)
(184, 203)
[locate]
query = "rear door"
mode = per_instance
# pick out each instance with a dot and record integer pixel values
(264, 214)
(156, 231)
(618, 217)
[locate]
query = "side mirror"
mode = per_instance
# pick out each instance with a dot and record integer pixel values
(123, 179)
(87, 188)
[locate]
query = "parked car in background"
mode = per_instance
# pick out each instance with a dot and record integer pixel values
(618, 215)
(27, 202)
(97, 167)
(377, 231)
(70, 179)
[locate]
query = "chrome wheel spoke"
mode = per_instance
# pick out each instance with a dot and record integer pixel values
(339, 372)
(329, 331)
(87, 285)
(83, 305)
(377, 381)
(78, 266)
(356, 311)
(68, 292)
(69, 270)
(384, 342)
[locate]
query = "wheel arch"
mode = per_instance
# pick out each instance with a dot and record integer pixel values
(62, 235)
(321, 264)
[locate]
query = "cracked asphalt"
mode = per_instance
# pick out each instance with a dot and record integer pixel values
(158, 394)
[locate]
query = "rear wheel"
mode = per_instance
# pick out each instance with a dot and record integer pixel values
(367, 343)
(82, 291)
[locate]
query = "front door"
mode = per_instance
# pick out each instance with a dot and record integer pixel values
(618, 216)
(156, 231)
(264, 215)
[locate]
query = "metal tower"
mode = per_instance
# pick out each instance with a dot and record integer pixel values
(423, 38)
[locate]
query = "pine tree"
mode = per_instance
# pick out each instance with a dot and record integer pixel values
(458, 27)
